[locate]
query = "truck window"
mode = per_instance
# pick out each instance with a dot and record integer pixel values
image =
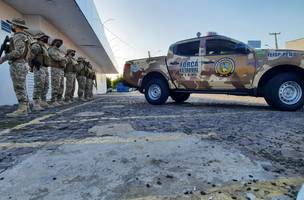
(187, 49)
(220, 47)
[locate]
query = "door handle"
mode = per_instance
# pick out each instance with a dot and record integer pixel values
(174, 63)
(208, 62)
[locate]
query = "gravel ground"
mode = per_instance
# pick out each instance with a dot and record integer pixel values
(271, 141)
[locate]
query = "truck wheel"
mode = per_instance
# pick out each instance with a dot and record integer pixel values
(179, 97)
(285, 92)
(156, 91)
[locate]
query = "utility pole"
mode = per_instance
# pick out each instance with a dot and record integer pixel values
(276, 38)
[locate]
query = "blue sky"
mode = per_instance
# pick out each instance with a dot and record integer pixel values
(155, 24)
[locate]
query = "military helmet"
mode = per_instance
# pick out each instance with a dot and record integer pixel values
(57, 39)
(18, 22)
(41, 35)
(70, 51)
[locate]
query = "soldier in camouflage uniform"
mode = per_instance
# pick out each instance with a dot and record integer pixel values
(70, 74)
(89, 81)
(92, 77)
(58, 63)
(94, 83)
(17, 55)
(81, 77)
(74, 85)
(39, 63)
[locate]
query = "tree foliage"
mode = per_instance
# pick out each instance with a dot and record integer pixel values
(109, 82)
(117, 80)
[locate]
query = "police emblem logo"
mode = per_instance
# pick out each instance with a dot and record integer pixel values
(224, 67)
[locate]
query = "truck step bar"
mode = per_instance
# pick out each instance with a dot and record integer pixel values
(241, 92)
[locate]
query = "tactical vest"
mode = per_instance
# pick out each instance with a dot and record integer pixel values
(88, 73)
(92, 75)
(43, 56)
(27, 51)
(82, 69)
(71, 66)
(57, 64)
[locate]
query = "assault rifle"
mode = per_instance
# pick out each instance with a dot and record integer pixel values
(4, 46)
(34, 63)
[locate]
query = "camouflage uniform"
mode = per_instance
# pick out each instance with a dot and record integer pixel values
(61, 87)
(58, 63)
(92, 84)
(89, 87)
(17, 57)
(41, 75)
(93, 76)
(45, 87)
(70, 74)
(73, 89)
(81, 77)
(89, 82)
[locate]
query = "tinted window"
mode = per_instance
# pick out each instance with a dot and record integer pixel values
(221, 47)
(187, 49)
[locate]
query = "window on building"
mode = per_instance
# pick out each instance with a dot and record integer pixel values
(6, 26)
(187, 49)
(220, 47)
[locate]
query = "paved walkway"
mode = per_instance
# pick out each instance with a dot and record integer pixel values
(119, 147)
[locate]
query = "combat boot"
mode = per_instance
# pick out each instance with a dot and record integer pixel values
(68, 101)
(55, 104)
(37, 106)
(43, 104)
(20, 112)
(62, 102)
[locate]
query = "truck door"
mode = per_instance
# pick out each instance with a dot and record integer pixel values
(183, 63)
(227, 64)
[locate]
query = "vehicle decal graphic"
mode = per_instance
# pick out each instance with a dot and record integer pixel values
(272, 55)
(224, 67)
(189, 68)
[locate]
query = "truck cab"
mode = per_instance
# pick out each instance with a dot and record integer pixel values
(216, 62)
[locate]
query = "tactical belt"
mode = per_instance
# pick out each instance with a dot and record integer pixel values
(56, 66)
(19, 60)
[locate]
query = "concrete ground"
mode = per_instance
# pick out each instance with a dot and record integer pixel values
(119, 147)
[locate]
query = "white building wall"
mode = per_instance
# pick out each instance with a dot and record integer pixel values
(7, 95)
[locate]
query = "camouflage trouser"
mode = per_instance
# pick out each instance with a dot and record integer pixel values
(70, 81)
(73, 89)
(40, 81)
(57, 75)
(81, 85)
(89, 87)
(18, 71)
(61, 88)
(46, 83)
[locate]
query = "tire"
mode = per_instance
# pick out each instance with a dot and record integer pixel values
(180, 97)
(285, 92)
(156, 91)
